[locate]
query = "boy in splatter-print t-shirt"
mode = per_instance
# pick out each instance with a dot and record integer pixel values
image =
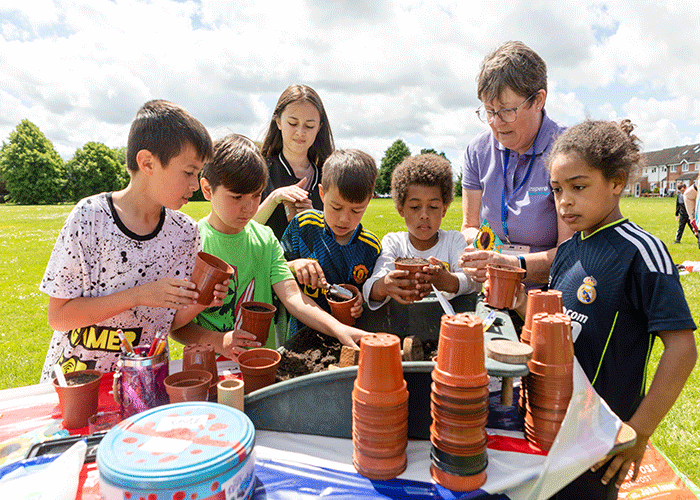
(122, 259)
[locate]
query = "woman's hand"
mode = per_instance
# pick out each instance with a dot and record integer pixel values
(474, 262)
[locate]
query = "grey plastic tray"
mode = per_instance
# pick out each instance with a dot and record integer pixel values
(321, 403)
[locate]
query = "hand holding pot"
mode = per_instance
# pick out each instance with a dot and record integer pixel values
(474, 262)
(236, 342)
(519, 300)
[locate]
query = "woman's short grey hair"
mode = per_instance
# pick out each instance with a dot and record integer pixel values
(513, 66)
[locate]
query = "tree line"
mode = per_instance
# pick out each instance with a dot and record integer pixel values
(33, 173)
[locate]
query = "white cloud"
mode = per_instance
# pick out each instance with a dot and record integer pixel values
(80, 69)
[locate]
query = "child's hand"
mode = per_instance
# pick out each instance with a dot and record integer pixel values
(436, 274)
(349, 336)
(621, 463)
(356, 309)
(167, 292)
(234, 342)
(308, 272)
(401, 287)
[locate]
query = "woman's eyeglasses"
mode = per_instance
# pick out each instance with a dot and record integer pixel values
(507, 115)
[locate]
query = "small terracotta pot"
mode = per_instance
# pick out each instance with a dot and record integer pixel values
(539, 301)
(256, 318)
(542, 424)
(230, 392)
(259, 368)
(341, 307)
(504, 282)
(461, 357)
(379, 469)
(460, 408)
(551, 339)
(457, 483)
(379, 370)
(190, 385)
(459, 394)
(407, 264)
(458, 465)
(380, 449)
(201, 357)
(379, 433)
(78, 402)
(380, 415)
(457, 419)
(458, 436)
(550, 372)
(546, 413)
(209, 271)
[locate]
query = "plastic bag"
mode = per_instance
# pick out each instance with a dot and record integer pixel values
(56, 481)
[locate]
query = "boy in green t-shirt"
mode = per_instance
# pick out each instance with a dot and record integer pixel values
(233, 181)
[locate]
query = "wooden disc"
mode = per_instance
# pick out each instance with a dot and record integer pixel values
(507, 351)
(412, 349)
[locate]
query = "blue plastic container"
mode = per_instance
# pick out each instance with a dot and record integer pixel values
(179, 452)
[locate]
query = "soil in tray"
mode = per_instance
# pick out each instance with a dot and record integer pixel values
(310, 352)
(83, 378)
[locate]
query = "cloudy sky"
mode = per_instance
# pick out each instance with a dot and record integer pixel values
(79, 69)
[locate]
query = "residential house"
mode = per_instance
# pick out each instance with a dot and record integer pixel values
(665, 168)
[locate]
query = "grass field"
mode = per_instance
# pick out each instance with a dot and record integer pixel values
(28, 233)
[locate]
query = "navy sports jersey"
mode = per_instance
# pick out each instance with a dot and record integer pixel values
(308, 237)
(619, 286)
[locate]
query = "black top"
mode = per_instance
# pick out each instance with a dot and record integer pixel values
(281, 174)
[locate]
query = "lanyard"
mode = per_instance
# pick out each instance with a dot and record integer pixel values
(504, 203)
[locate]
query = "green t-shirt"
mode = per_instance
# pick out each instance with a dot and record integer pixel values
(258, 263)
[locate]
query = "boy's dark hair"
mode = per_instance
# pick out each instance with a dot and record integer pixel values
(237, 165)
(427, 170)
(323, 144)
(354, 173)
(609, 147)
(164, 128)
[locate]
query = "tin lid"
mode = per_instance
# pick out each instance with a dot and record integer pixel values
(175, 445)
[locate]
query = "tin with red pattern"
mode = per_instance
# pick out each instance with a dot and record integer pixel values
(182, 451)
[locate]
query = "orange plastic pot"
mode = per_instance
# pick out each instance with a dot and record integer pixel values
(78, 401)
(458, 435)
(380, 379)
(460, 359)
(457, 449)
(188, 385)
(201, 357)
(504, 282)
(449, 418)
(256, 318)
(259, 368)
(401, 264)
(458, 394)
(462, 408)
(209, 271)
(380, 416)
(380, 469)
(539, 301)
(551, 339)
(340, 308)
(380, 449)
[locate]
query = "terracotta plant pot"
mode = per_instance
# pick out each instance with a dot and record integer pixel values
(209, 271)
(460, 359)
(539, 301)
(259, 368)
(504, 282)
(78, 400)
(201, 357)
(340, 308)
(189, 385)
(379, 469)
(256, 318)
(457, 483)
(413, 265)
(380, 379)
(551, 339)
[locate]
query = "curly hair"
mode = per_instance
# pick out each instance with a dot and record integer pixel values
(427, 170)
(607, 146)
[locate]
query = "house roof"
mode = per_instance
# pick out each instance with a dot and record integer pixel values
(688, 176)
(673, 156)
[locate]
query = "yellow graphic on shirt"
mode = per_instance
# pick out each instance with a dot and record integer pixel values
(586, 293)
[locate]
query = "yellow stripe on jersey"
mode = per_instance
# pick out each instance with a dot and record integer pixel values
(370, 238)
(311, 218)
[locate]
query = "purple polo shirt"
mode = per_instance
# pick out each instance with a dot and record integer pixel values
(531, 215)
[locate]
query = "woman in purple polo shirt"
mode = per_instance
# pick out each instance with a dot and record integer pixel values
(504, 178)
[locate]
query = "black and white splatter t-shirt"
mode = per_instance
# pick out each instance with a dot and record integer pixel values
(97, 255)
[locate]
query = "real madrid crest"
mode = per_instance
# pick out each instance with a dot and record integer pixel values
(586, 292)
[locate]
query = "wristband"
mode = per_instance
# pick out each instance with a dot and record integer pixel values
(523, 264)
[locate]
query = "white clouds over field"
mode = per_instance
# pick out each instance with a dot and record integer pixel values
(385, 70)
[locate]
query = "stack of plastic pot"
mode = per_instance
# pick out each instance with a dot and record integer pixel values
(380, 409)
(459, 405)
(550, 382)
(538, 301)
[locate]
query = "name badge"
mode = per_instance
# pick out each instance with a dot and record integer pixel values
(511, 249)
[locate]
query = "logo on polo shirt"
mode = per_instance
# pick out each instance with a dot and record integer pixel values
(586, 293)
(360, 273)
(538, 190)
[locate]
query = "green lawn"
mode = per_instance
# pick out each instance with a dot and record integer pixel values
(28, 233)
